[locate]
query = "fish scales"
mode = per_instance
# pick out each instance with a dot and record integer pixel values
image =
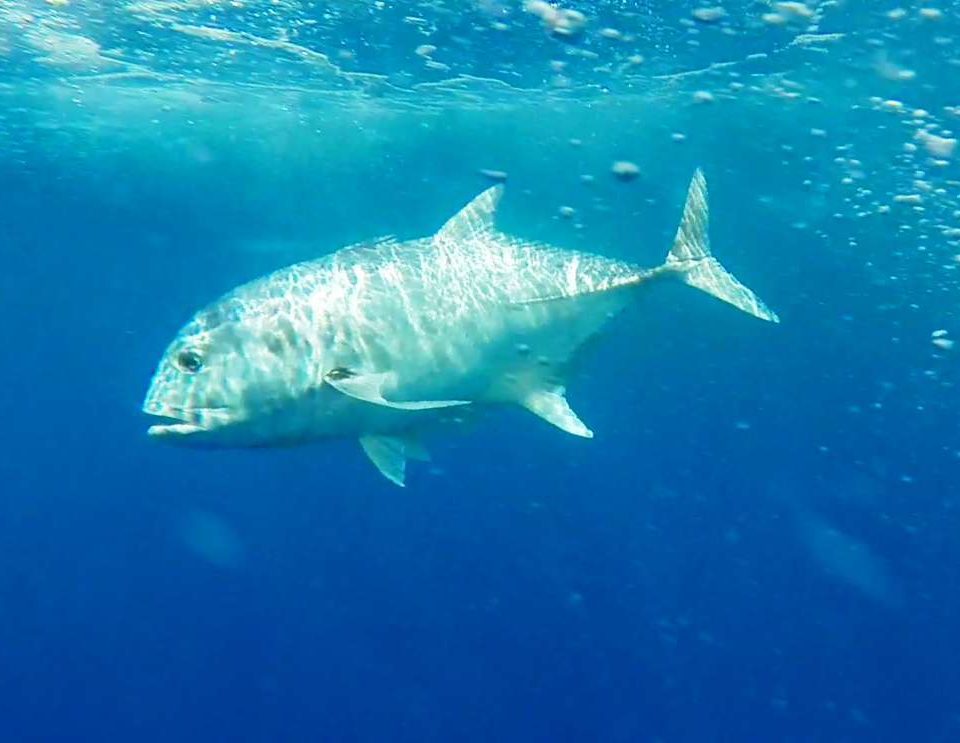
(380, 340)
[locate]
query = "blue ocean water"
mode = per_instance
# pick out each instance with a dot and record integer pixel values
(760, 543)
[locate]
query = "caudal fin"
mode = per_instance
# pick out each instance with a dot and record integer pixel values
(690, 257)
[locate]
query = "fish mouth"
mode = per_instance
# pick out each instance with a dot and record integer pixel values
(183, 421)
(173, 429)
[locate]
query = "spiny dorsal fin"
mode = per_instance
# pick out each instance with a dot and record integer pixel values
(475, 219)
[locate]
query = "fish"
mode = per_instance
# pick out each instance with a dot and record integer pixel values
(385, 340)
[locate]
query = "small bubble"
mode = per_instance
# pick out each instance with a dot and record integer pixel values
(796, 9)
(494, 175)
(908, 198)
(937, 146)
(710, 14)
(625, 170)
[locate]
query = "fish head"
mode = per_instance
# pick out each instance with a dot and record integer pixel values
(225, 376)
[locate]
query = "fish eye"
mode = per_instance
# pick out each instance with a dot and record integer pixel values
(189, 361)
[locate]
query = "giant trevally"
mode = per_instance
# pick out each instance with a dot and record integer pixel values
(381, 340)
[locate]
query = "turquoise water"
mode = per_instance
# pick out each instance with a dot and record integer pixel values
(760, 543)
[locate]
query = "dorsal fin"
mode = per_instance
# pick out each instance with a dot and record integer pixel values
(475, 219)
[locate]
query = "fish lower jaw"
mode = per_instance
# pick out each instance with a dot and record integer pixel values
(177, 422)
(173, 429)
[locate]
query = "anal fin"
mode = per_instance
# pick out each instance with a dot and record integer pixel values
(553, 407)
(389, 454)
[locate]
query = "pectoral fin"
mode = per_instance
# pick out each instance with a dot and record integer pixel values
(553, 407)
(389, 454)
(369, 388)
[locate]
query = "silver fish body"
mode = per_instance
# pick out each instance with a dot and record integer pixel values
(378, 341)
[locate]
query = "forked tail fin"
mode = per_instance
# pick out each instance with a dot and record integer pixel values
(690, 257)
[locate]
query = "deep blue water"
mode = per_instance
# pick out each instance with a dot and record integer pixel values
(760, 544)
